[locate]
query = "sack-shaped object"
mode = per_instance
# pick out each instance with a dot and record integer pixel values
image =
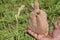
(38, 21)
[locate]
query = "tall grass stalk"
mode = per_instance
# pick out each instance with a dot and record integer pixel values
(17, 16)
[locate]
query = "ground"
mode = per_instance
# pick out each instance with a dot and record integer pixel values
(12, 28)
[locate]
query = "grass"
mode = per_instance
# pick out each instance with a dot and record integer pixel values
(10, 29)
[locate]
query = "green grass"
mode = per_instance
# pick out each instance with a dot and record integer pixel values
(10, 29)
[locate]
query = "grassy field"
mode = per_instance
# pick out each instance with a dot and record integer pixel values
(12, 29)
